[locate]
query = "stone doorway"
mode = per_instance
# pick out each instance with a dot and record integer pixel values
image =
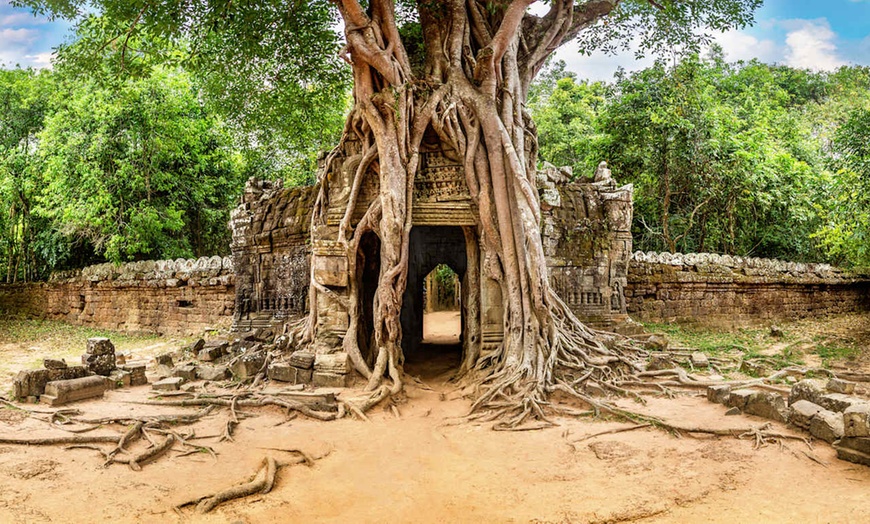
(431, 246)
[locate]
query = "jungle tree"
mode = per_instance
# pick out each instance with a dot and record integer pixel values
(462, 68)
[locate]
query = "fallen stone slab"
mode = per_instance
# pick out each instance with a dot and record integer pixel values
(50, 363)
(60, 392)
(334, 363)
(838, 385)
(31, 383)
(700, 360)
(861, 444)
(185, 371)
(808, 389)
(851, 454)
(212, 373)
(719, 394)
(119, 379)
(659, 361)
(838, 402)
(656, 342)
(827, 426)
(801, 413)
(137, 374)
(302, 360)
(211, 353)
(99, 364)
(168, 384)
(197, 346)
(284, 372)
(329, 380)
(766, 404)
(248, 365)
(165, 360)
(856, 420)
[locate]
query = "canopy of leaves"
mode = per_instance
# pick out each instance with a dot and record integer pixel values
(743, 158)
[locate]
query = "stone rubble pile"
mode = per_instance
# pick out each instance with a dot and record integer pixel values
(825, 408)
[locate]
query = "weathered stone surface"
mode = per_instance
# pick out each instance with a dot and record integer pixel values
(60, 392)
(656, 342)
(827, 426)
(211, 353)
(852, 455)
(838, 385)
(700, 360)
(137, 374)
(659, 361)
(284, 372)
(776, 331)
(719, 394)
(185, 371)
(801, 413)
(755, 369)
(861, 444)
(329, 380)
(336, 363)
(119, 379)
(31, 383)
(766, 404)
(856, 420)
(733, 411)
(100, 346)
(247, 365)
(302, 360)
(807, 389)
(168, 384)
(212, 373)
(197, 346)
(165, 360)
(838, 402)
(50, 363)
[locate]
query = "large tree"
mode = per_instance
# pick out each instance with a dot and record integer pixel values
(462, 68)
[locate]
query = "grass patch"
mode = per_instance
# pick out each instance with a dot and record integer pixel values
(23, 331)
(711, 340)
(830, 353)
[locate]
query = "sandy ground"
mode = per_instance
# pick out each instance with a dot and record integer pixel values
(427, 467)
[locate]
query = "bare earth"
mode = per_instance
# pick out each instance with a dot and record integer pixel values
(426, 467)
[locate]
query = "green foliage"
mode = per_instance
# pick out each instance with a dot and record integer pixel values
(138, 171)
(744, 158)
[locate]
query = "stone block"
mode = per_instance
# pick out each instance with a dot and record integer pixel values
(766, 404)
(196, 346)
(168, 384)
(336, 363)
(856, 420)
(99, 364)
(185, 371)
(719, 394)
(137, 374)
(827, 426)
(211, 353)
(302, 360)
(213, 373)
(852, 455)
(801, 412)
(60, 392)
(838, 385)
(656, 342)
(807, 389)
(50, 363)
(119, 379)
(838, 402)
(165, 360)
(861, 444)
(329, 380)
(31, 383)
(700, 360)
(247, 365)
(284, 372)
(659, 361)
(100, 346)
(755, 369)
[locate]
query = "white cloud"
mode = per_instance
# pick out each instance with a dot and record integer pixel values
(17, 36)
(811, 44)
(739, 45)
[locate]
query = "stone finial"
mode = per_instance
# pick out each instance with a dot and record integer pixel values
(602, 173)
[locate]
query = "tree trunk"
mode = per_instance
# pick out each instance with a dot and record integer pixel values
(470, 89)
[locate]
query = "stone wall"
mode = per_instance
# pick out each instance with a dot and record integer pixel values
(714, 289)
(166, 296)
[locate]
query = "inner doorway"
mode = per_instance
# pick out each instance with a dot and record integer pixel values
(431, 247)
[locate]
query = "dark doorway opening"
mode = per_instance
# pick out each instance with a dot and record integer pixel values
(430, 246)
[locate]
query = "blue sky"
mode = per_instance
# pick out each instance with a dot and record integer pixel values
(803, 33)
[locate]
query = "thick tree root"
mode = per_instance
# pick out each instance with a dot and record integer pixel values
(262, 482)
(61, 441)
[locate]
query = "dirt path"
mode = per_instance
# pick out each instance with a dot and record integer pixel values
(420, 468)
